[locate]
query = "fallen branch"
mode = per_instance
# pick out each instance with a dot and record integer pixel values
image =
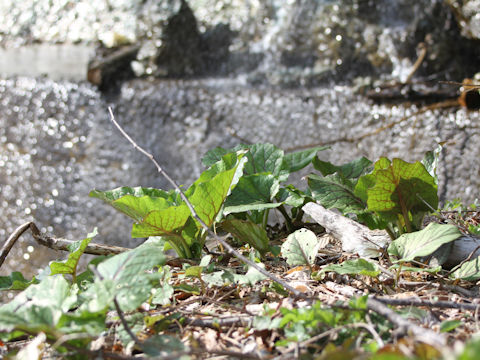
(404, 327)
(429, 303)
(60, 244)
(359, 239)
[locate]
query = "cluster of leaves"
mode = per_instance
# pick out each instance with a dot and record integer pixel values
(394, 195)
(235, 195)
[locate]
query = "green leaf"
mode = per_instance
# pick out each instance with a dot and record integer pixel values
(124, 276)
(214, 155)
(354, 267)
(401, 187)
(264, 158)
(76, 249)
(298, 160)
(16, 281)
(248, 232)
(469, 271)
(253, 192)
(162, 222)
(335, 191)
(291, 196)
(449, 325)
(351, 170)
(301, 247)
(39, 307)
(194, 271)
(137, 202)
(424, 242)
(210, 190)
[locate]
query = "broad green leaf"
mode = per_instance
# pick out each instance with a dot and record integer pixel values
(301, 247)
(162, 222)
(354, 267)
(469, 271)
(194, 271)
(209, 192)
(248, 232)
(264, 158)
(163, 346)
(291, 196)
(401, 186)
(137, 202)
(351, 170)
(16, 281)
(449, 325)
(225, 277)
(298, 160)
(253, 192)
(335, 191)
(76, 249)
(424, 242)
(39, 307)
(124, 276)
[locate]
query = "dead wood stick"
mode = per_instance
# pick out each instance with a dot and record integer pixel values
(214, 323)
(12, 239)
(404, 326)
(63, 244)
(428, 303)
(227, 246)
(357, 238)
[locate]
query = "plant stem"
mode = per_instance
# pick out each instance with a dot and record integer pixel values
(266, 212)
(288, 221)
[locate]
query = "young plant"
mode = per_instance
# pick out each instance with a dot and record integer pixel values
(161, 213)
(394, 195)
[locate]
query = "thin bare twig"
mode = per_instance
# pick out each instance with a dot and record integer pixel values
(11, 241)
(428, 303)
(229, 248)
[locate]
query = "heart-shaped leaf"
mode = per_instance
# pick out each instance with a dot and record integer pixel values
(301, 247)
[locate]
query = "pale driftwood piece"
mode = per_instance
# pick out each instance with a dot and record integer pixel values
(359, 239)
(355, 238)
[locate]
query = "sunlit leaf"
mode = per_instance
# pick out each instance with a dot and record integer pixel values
(138, 201)
(424, 242)
(335, 191)
(253, 192)
(76, 249)
(469, 271)
(16, 281)
(298, 160)
(401, 187)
